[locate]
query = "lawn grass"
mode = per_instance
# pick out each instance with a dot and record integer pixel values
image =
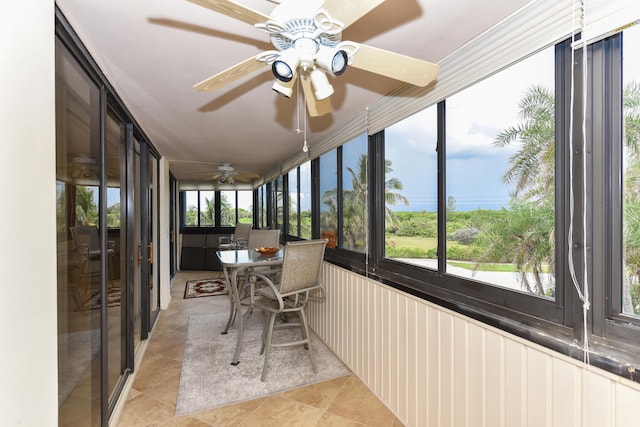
(426, 243)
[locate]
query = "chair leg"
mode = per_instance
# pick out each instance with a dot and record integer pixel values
(232, 315)
(303, 318)
(267, 345)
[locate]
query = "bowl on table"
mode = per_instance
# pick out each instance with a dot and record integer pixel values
(267, 250)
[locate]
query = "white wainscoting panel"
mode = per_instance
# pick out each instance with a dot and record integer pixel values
(435, 367)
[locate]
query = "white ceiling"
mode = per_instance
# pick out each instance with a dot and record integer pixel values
(154, 51)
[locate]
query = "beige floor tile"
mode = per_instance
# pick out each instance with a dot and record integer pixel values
(156, 369)
(319, 395)
(145, 411)
(169, 343)
(166, 392)
(332, 420)
(356, 402)
(277, 411)
(185, 421)
(230, 416)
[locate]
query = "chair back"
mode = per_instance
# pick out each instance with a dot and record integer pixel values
(263, 239)
(242, 231)
(86, 235)
(302, 264)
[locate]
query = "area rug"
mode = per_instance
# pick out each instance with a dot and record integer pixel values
(204, 288)
(208, 380)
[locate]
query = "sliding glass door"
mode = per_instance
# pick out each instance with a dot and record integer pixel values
(107, 182)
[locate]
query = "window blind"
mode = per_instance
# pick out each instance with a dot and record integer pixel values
(603, 18)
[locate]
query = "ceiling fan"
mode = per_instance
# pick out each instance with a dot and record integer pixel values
(307, 36)
(228, 175)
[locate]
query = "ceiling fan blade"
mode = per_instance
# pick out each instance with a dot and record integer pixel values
(349, 12)
(230, 75)
(316, 108)
(246, 177)
(394, 65)
(234, 10)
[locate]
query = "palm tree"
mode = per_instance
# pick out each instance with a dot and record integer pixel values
(227, 214)
(525, 237)
(86, 207)
(532, 165)
(354, 203)
(532, 174)
(207, 215)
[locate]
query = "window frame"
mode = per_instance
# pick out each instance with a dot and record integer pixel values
(614, 338)
(190, 229)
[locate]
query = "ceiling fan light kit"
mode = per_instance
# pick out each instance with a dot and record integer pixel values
(322, 87)
(284, 88)
(308, 42)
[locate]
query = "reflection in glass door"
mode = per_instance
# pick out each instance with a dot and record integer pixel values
(116, 247)
(80, 258)
(135, 239)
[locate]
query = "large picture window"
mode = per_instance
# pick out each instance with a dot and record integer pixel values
(500, 174)
(630, 292)
(411, 189)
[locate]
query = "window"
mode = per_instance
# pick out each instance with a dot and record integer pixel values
(500, 161)
(411, 189)
(245, 206)
(199, 208)
(305, 200)
(630, 292)
(228, 208)
(207, 208)
(278, 203)
(354, 194)
(329, 197)
(294, 209)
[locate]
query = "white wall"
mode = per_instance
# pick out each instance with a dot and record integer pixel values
(28, 359)
(435, 367)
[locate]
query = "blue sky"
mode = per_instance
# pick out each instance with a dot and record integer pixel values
(474, 117)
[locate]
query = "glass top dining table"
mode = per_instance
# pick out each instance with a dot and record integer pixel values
(234, 261)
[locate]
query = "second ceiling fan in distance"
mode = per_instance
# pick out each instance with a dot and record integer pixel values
(307, 36)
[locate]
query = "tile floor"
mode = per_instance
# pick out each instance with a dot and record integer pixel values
(344, 401)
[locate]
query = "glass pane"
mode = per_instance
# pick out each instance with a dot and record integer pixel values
(500, 178)
(207, 208)
(78, 243)
(262, 210)
(411, 189)
(279, 203)
(354, 194)
(191, 209)
(328, 197)
(631, 173)
(293, 202)
(305, 200)
(227, 209)
(116, 247)
(245, 207)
